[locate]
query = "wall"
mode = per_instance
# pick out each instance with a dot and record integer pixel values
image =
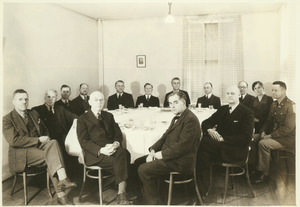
(46, 46)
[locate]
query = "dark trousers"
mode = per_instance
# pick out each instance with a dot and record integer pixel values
(117, 164)
(149, 174)
(253, 154)
(208, 153)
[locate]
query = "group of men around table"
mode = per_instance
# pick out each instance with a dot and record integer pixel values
(36, 136)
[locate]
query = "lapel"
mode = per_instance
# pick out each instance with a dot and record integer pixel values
(236, 111)
(105, 120)
(35, 122)
(92, 118)
(178, 122)
(18, 120)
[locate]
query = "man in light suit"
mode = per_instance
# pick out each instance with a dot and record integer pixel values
(245, 98)
(148, 99)
(100, 138)
(209, 98)
(65, 92)
(176, 150)
(30, 145)
(176, 85)
(80, 104)
(226, 136)
(120, 98)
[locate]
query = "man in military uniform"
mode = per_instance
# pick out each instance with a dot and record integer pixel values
(278, 131)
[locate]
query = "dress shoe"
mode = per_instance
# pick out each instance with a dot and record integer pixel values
(64, 201)
(65, 184)
(261, 178)
(122, 199)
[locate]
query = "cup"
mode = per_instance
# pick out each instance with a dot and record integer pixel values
(120, 106)
(141, 105)
(199, 105)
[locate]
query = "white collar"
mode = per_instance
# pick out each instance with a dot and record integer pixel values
(233, 107)
(96, 113)
(82, 96)
(208, 95)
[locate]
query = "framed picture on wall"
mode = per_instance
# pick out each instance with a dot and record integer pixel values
(141, 61)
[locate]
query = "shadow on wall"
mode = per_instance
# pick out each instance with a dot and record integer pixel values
(105, 90)
(135, 89)
(162, 90)
(268, 88)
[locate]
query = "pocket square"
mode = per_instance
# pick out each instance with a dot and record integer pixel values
(235, 121)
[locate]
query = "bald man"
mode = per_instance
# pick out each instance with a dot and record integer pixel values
(100, 138)
(226, 136)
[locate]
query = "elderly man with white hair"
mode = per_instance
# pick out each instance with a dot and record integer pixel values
(100, 138)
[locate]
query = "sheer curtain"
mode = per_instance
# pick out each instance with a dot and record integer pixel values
(212, 52)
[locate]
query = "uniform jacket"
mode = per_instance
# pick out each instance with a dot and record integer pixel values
(153, 101)
(17, 136)
(92, 136)
(213, 100)
(166, 103)
(79, 106)
(113, 102)
(247, 100)
(281, 123)
(236, 128)
(179, 143)
(261, 111)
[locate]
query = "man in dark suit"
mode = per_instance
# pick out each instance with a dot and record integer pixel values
(65, 92)
(58, 122)
(245, 98)
(148, 99)
(226, 136)
(209, 99)
(120, 98)
(100, 138)
(279, 130)
(176, 85)
(30, 145)
(176, 150)
(80, 104)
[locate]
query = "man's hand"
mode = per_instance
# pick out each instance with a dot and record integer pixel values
(158, 155)
(149, 158)
(215, 135)
(263, 134)
(116, 145)
(256, 120)
(108, 150)
(267, 136)
(43, 139)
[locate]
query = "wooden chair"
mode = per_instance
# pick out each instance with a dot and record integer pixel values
(31, 171)
(286, 155)
(229, 167)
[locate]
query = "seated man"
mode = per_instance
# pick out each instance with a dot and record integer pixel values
(120, 98)
(245, 98)
(209, 99)
(100, 138)
(65, 92)
(226, 136)
(175, 151)
(176, 85)
(147, 100)
(29, 145)
(80, 104)
(278, 131)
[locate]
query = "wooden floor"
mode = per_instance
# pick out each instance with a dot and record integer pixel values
(277, 191)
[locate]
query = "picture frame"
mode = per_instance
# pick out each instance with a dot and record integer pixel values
(141, 61)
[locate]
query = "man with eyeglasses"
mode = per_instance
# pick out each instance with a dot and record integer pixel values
(245, 98)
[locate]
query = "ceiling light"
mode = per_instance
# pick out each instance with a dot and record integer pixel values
(170, 18)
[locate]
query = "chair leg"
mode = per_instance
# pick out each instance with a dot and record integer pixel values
(48, 184)
(210, 180)
(83, 182)
(276, 163)
(232, 179)
(25, 188)
(14, 185)
(248, 180)
(226, 184)
(170, 189)
(197, 189)
(100, 186)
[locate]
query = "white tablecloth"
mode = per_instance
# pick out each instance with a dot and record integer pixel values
(141, 128)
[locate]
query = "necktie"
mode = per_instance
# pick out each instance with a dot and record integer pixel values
(85, 98)
(207, 96)
(230, 108)
(120, 99)
(66, 103)
(100, 118)
(25, 115)
(148, 98)
(174, 120)
(52, 109)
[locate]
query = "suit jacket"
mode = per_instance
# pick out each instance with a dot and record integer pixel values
(166, 103)
(179, 143)
(58, 124)
(113, 102)
(79, 106)
(281, 123)
(61, 103)
(248, 100)
(92, 136)
(236, 128)
(153, 101)
(261, 111)
(17, 136)
(213, 100)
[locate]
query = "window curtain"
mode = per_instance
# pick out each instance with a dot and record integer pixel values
(212, 52)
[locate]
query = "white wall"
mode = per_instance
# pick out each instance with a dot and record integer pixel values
(45, 47)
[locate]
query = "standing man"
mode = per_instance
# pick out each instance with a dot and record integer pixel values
(100, 138)
(120, 98)
(176, 85)
(80, 104)
(176, 150)
(209, 99)
(147, 99)
(30, 145)
(278, 131)
(226, 136)
(245, 98)
(65, 92)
